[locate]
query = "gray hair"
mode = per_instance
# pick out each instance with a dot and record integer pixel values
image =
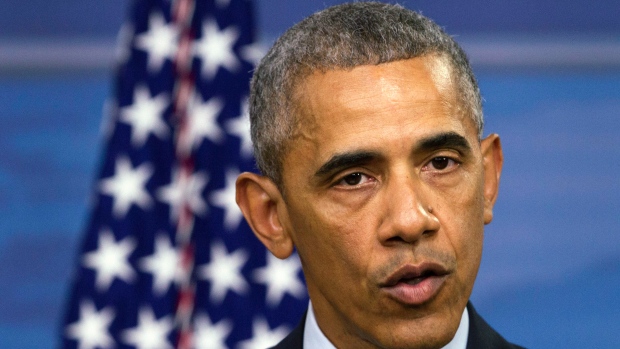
(343, 37)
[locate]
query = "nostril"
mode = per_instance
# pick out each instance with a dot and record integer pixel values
(428, 232)
(395, 239)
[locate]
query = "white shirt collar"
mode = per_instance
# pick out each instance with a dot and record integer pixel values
(315, 339)
(460, 337)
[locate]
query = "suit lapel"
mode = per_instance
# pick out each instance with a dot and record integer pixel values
(482, 336)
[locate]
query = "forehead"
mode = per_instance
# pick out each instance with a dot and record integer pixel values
(419, 79)
(375, 105)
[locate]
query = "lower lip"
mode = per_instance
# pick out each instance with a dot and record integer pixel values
(417, 294)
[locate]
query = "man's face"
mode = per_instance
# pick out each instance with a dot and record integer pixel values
(385, 202)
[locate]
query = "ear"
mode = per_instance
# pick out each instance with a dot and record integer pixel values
(493, 159)
(262, 204)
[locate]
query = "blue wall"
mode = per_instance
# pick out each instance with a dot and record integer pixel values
(551, 269)
(102, 18)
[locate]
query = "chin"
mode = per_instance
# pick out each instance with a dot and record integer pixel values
(427, 341)
(425, 333)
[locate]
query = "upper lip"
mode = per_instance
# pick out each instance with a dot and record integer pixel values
(410, 271)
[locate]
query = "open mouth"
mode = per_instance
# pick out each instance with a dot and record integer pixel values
(413, 275)
(415, 285)
(417, 279)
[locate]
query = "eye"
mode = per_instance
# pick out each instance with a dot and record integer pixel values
(441, 163)
(353, 179)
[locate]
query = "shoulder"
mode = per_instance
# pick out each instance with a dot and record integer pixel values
(295, 339)
(483, 336)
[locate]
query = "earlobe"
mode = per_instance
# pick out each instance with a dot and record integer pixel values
(493, 160)
(259, 200)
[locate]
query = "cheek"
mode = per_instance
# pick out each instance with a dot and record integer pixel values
(337, 244)
(466, 230)
(460, 210)
(351, 237)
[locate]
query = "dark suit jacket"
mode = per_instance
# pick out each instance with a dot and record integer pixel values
(481, 335)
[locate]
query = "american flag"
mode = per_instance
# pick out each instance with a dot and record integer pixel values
(167, 260)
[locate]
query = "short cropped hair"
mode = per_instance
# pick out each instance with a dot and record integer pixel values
(343, 37)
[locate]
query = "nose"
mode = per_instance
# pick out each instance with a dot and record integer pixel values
(407, 216)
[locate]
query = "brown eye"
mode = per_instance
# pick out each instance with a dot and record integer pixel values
(440, 163)
(353, 179)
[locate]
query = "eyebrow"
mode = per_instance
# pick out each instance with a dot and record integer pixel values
(356, 158)
(444, 140)
(346, 160)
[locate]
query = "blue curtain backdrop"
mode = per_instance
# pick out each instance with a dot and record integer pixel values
(550, 75)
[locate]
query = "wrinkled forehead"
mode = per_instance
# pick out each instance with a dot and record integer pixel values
(352, 88)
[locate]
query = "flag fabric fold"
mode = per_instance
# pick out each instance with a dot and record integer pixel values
(167, 260)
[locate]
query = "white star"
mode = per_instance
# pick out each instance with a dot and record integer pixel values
(280, 276)
(224, 272)
(211, 336)
(240, 127)
(163, 264)
(160, 41)
(202, 122)
(184, 191)
(127, 186)
(150, 333)
(92, 329)
(225, 198)
(145, 116)
(215, 48)
(110, 260)
(263, 336)
(223, 3)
